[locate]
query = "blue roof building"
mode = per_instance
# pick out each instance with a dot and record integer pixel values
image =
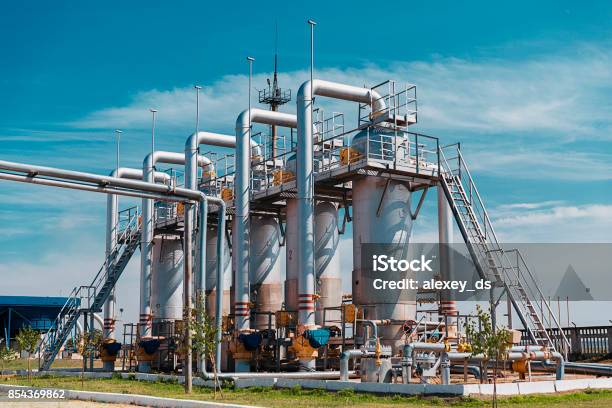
(38, 312)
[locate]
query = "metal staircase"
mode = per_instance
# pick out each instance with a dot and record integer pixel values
(505, 267)
(91, 298)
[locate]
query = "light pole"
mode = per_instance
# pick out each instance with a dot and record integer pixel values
(118, 141)
(250, 59)
(197, 88)
(312, 25)
(153, 111)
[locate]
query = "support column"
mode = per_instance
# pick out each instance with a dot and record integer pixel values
(448, 305)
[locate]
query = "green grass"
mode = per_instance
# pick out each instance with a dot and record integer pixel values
(22, 364)
(298, 397)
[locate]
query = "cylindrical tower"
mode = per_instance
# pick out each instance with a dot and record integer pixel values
(291, 243)
(211, 274)
(265, 268)
(327, 261)
(381, 215)
(167, 278)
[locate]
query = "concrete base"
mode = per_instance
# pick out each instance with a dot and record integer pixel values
(506, 389)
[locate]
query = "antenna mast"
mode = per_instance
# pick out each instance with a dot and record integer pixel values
(274, 96)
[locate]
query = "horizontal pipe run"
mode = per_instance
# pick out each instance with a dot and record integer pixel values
(33, 171)
(90, 188)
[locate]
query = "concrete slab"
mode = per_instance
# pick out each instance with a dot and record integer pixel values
(570, 385)
(304, 383)
(536, 387)
(331, 385)
(471, 389)
(444, 389)
(376, 388)
(502, 389)
(601, 383)
(254, 382)
(407, 389)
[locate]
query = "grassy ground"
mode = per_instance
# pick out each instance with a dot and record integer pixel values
(22, 364)
(296, 398)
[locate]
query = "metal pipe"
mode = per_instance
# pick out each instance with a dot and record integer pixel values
(94, 188)
(344, 362)
(112, 204)
(201, 279)
(305, 181)
(168, 193)
(241, 232)
(147, 228)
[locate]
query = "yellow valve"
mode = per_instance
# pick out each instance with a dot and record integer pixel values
(520, 367)
(285, 318)
(227, 194)
(464, 347)
(209, 174)
(349, 155)
(180, 209)
(302, 348)
(351, 312)
(282, 176)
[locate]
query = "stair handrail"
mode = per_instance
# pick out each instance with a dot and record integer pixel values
(494, 242)
(551, 314)
(71, 305)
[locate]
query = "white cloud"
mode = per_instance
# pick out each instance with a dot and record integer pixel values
(548, 222)
(539, 163)
(551, 93)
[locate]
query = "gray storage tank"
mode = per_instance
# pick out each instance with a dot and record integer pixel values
(391, 225)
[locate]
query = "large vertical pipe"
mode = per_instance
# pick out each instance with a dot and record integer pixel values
(241, 229)
(305, 183)
(448, 305)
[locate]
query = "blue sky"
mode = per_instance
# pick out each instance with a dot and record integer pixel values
(526, 88)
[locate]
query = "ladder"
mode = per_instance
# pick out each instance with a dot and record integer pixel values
(506, 267)
(91, 298)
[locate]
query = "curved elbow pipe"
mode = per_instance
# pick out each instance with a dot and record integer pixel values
(305, 180)
(207, 138)
(240, 235)
(147, 229)
(112, 206)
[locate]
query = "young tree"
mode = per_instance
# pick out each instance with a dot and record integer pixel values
(203, 337)
(27, 339)
(87, 344)
(491, 342)
(6, 355)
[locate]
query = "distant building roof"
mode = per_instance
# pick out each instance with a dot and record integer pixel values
(38, 301)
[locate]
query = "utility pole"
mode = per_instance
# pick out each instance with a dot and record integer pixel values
(118, 141)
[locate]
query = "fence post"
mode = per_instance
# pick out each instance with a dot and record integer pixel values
(609, 340)
(575, 341)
